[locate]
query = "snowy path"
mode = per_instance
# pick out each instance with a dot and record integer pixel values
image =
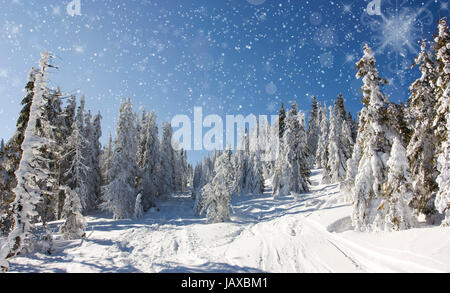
(303, 233)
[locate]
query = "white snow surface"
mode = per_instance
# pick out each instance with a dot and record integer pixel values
(298, 233)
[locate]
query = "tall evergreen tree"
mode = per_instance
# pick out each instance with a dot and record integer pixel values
(197, 176)
(95, 160)
(89, 154)
(313, 131)
(335, 169)
(138, 207)
(12, 154)
(167, 161)
(441, 121)
(353, 126)
(243, 165)
(340, 143)
(281, 123)
(119, 195)
(398, 193)
(375, 136)
(255, 183)
(149, 160)
(64, 129)
(217, 193)
(106, 161)
(345, 124)
(332, 134)
(322, 145)
(292, 168)
(421, 149)
(74, 226)
(33, 177)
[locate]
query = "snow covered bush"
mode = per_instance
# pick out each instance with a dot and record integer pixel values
(138, 208)
(75, 225)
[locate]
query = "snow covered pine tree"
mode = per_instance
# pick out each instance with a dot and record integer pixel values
(292, 168)
(373, 206)
(31, 174)
(119, 195)
(442, 120)
(217, 193)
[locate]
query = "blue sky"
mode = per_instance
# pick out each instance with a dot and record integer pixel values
(227, 56)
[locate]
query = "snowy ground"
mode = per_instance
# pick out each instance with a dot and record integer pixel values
(304, 233)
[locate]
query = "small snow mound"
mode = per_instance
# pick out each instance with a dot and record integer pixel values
(314, 202)
(341, 225)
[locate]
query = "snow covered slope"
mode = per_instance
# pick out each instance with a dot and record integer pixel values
(302, 233)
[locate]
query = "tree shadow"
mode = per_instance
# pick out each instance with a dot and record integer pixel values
(208, 267)
(46, 267)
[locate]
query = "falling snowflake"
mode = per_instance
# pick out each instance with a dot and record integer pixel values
(399, 29)
(397, 34)
(271, 88)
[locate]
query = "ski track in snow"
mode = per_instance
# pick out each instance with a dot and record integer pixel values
(265, 235)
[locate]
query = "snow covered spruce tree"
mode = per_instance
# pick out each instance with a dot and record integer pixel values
(322, 145)
(187, 172)
(106, 161)
(148, 159)
(255, 182)
(197, 192)
(138, 207)
(217, 193)
(74, 226)
(11, 155)
(50, 126)
(331, 142)
(179, 167)
(77, 192)
(340, 143)
(282, 176)
(32, 173)
(398, 193)
(353, 125)
(78, 170)
(347, 186)
(346, 123)
(119, 196)
(206, 175)
(441, 121)
(167, 161)
(281, 121)
(269, 140)
(421, 149)
(292, 168)
(197, 176)
(371, 199)
(243, 165)
(247, 166)
(63, 132)
(313, 131)
(93, 155)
